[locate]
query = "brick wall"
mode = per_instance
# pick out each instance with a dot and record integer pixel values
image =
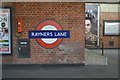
(69, 15)
(106, 39)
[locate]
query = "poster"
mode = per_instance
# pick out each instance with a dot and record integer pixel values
(91, 25)
(5, 33)
(111, 28)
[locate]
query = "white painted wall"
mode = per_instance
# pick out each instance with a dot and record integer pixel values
(110, 7)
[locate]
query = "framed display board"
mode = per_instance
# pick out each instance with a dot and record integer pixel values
(5, 31)
(111, 27)
(92, 15)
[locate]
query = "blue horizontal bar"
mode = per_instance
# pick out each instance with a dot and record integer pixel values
(49, 34)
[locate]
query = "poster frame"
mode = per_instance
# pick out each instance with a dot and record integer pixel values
(9, 53)
(110, 21)
(98, 21)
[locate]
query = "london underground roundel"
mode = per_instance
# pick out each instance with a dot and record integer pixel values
(49, 42)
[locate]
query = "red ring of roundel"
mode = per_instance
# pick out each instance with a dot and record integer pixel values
(57, 42)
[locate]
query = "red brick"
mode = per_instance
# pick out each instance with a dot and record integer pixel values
(69, 15)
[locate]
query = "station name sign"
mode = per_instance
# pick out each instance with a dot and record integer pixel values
(49, 34)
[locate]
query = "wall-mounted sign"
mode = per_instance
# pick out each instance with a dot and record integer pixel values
(92, 25)
(111, 27)
(5, 31)
(49, 34)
